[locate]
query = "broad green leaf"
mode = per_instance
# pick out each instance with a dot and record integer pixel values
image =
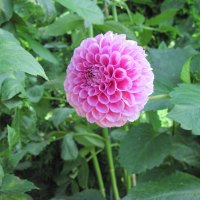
(88, 138)
(118, 134)
(13, 185)
(186, 111)
(6, 10)
(69, 150)
(166, 15)
(83, 174)
(59, 115)
(48, 9)
(87, 9)
(35, 148)
(63, 24)
(13, 85)
(13, 137)
(116, 27)
(185, 149)
(185, 73)
(169, 4)
(178, 186)
(166, 80)
(15, 197)
(40, 50)
(20, 60)
(141, 150)
(35, 93)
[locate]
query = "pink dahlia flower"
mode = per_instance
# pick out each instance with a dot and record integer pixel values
(109, 80)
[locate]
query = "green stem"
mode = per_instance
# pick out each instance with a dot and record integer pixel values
(158, 97)
(91, 31)
(127, 180)
(111, 163)
(98, 172)
(114, 12)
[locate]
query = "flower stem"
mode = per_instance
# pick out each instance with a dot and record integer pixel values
(158, 97)
(114, 12)
(98, 172)
(111, 163)
(91, 31)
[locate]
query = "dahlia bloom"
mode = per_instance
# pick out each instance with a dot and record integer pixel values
(109, 80)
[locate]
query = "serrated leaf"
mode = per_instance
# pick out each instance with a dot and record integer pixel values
(87, 9)
(186, 111)
(177, 186)
(20, 60)
(13, 185)
(63, 24)
(141, 150)
(172, 60)
(69, 150)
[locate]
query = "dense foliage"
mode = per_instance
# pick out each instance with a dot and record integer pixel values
(46, 150)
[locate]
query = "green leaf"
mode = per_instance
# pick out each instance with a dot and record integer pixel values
(141, 150)
(116, 27)
(13, 85)
(13, 137)
(15, 197)
(59, 115)
(35, 148)
(186, 111)
(166, 15)
(177, 186)
(89, 194)
(69, 150)
(87, 9)
(166, 80)
(6, 10)
(168, 4)
(63, 24)
(48, 9)
(88, 138)
(13, 185)
(1, 174)
(35, 93)
(83, 174)
(185, 73)
(40, 50)
(20, 60)
(186, 149)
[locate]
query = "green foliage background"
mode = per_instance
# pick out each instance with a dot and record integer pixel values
(46, 149)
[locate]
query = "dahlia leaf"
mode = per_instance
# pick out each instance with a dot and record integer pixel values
(116, 27)
(62, 25)
(184, 187)
(14, 58)
(139, 149)
(40, 50)
(167, 66)
(13, 185)
(87, 9)
(6, 10)
(69, 150)
(186, 111)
